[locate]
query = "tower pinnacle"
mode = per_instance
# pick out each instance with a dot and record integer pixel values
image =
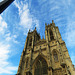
(52, 21)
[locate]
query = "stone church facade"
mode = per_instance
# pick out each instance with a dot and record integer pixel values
(47, 56)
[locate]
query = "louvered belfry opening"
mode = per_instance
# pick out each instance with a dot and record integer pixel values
(51, 35)
(41, 67)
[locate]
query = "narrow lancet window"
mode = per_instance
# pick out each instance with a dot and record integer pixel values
(30, 41)
(51, 35)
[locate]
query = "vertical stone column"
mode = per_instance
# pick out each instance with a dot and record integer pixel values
(48, 51)
(46, 34)
(31, 51)
(49, 35)
(26, 43)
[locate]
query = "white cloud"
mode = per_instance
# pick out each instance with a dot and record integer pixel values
(5, 48)
(10, 38)
(54, 8)
(7, 70)
(5, 65)
(3, 25)
(27, 20)
(70, 38)
(70, 31)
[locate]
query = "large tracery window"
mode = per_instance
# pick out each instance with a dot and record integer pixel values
(41, 67)
(55, 56)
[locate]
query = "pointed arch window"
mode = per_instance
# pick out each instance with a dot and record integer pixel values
(41, 67)
(51, 35)
(55, 56)
(30, 41)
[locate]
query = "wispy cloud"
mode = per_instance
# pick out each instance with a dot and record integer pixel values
(63, 14)
(3, 25)
(27, 20)
(5, 65)
(4, 31)
(55, 8)
(10, 38)
(70, 34)
(5, 48)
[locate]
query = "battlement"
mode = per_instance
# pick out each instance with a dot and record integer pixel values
(49, 25)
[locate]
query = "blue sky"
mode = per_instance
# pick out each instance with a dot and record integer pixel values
(23, 15)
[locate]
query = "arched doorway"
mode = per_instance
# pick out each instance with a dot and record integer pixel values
(41, 67)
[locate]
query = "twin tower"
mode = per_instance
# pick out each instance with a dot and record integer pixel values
(47, 56)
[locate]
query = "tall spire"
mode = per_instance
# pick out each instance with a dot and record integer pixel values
(35, 28)
(45, 24)
(29, 30)
(52, 21)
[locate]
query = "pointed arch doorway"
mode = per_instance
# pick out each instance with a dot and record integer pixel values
(41, 67)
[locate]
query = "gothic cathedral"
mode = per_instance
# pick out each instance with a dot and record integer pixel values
(47, 56)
